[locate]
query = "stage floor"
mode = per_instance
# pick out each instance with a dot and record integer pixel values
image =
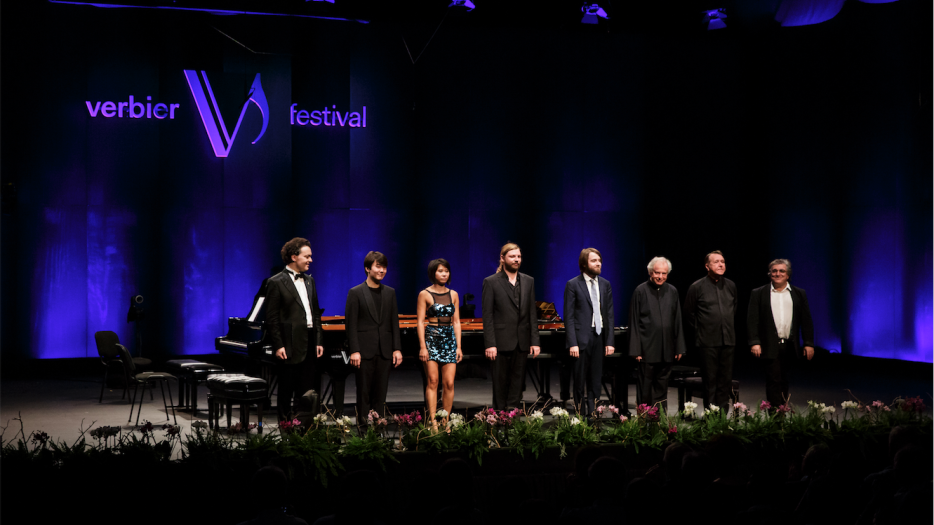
(64, 400)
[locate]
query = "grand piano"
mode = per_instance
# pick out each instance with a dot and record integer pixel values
(246, 338)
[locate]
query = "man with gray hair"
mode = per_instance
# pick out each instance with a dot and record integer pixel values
(656, 339)
(777, 314)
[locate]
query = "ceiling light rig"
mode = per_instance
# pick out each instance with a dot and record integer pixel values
(714, 19)
(593, 13)
(463, 3)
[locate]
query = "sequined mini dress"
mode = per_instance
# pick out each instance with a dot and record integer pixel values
(442, 346)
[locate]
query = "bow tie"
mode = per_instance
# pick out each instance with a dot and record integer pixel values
(298, 276)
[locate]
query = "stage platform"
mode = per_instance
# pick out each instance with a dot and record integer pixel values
(60, 397)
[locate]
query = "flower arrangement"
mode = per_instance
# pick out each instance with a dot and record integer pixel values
(320, 449)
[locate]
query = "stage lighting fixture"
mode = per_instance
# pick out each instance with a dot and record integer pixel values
(136, 309)
(463, 3)
(593, 13)
(328, 1)
(715, 19)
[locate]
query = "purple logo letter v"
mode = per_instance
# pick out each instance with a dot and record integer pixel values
(201, 90)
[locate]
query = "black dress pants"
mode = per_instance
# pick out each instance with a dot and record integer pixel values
(588, 374)
(372, 385)
(717, 375)
(508, 374)
(776, 374)
(294, 381)
(653, 383)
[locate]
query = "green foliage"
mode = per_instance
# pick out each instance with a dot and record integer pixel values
(472, 438)
(310, 453)
(574, 432)
(370, 446)
(528, 436)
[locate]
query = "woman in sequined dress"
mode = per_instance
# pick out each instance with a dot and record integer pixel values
(439, 335)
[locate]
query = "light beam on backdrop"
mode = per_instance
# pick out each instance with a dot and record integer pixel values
(807, 12)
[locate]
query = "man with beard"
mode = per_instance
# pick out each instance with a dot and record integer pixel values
(293, 324)
(709, 308)
(588, 320)
(656, 339)
(510, 326)
(372, 327)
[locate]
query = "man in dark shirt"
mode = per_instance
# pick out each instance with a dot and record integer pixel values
(656, 339)
(372, 328)
(709, 309)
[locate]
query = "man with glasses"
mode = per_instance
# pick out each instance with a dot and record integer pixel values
(778, 316)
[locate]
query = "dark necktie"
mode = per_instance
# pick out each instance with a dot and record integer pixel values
(298, 276)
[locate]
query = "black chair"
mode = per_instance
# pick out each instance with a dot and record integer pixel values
(107, 342)
(147, 379)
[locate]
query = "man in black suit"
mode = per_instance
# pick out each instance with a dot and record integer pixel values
(293, 324)
(656, 339)
(510, 326)
(588, 320)
(778, 316)
(372, 324)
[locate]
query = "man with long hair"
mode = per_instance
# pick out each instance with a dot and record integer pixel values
(510, 326)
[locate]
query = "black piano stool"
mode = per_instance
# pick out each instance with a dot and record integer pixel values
(235, 389)
(190, 374)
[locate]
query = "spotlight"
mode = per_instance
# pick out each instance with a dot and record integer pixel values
(463, 3)
(136, 309)
(593, 13)
(714, 18)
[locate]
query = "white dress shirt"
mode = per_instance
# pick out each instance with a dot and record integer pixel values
(596, 307)
(302, 292)
(782, 310)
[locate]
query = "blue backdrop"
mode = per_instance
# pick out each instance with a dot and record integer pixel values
(810, 143)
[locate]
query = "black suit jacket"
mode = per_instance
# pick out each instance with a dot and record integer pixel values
(286, 324)
(761, 325)
(367, 333)
(507, 325)
(578, 312)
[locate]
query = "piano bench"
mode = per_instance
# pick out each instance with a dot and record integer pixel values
(190, 374)
(235, 389)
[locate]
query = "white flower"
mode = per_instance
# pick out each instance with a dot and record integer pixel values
(454, 423)
(457, 417)
(689, 406)
(714, 408)
(346, 421)
(825, 410)
(537, 415)
(321, 418)
(558, 412)
(575, 421)
(442, 413)
(849, 404)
